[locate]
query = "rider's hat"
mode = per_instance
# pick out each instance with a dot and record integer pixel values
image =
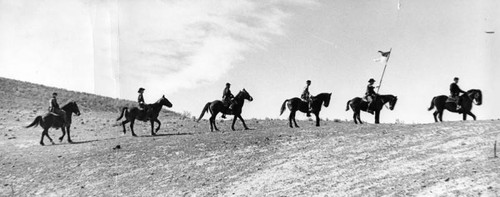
(308, 81)
(371, 80)
(456, 78)
(140, 90)
(228, 84)
(54, 94)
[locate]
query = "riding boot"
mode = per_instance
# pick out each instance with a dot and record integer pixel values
(369, 108)
(309, 109)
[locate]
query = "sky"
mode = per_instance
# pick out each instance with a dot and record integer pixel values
(187, 50)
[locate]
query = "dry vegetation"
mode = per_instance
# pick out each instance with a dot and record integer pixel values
(337, 159)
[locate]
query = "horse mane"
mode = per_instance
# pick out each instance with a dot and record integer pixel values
(240, 92)
(69, 103)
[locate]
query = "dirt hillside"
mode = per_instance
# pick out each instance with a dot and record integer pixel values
(186, 159)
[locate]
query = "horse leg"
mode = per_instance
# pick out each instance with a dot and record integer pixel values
(43, 135)
(69, 136)
(123, 124)
(435, 114)
(471, 114)
(212, 122)
(132, 127)
(317, 119)
(441, 115)
(159, 124)
(152, 127)
(294, 120)
(290, 117)
(377, 117)
(47, 134)
(359, 117)
(234, 121)
(63, 134)
(243, 121)
(354, 117)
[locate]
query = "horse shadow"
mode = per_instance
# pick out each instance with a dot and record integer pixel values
(82, 142)
(166, 135)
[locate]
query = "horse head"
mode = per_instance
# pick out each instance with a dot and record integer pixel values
(72, 107)
(244, 95)
(325, 98)
(475, 95)
(392, 101)
(165, 101)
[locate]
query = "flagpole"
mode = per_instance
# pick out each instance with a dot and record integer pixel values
(383, 72)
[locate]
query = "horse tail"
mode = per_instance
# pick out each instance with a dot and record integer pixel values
(205, 109)
(35, 123)
(124, 110)
(347, 107)
(432, 104)
(283, 106)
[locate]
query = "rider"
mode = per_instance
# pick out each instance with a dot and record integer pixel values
(455, 92)
(370, 94)
(226, 98)
(142, 105)
(306, 97)
(54, 108)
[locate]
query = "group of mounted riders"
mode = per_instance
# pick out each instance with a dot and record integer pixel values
(230, 104)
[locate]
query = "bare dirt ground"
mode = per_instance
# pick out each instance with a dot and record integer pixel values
(336, 159)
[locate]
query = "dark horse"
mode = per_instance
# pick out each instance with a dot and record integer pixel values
(218, 106)
(133, 114)
(466, 102)
(55, 121)
(357, 104)
(296, 104)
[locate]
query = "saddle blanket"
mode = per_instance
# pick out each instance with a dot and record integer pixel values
(451, 100)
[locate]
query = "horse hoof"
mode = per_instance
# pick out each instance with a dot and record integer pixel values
(41, 143)
(247, 129)
(70, 141)
(134, 135)
(60, 139)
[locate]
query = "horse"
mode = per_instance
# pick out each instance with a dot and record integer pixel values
(52, 120)
(218, 106)
(467, 100)
(134, 114)
(357, 104)
(296, 104)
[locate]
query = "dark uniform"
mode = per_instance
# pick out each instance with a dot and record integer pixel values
(142, 105)
(370, 95)
(306, 96)
(54, 108)
(227, 97)
(140, 100)
(455, 92)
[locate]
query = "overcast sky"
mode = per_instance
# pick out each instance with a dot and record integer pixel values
(189, 49)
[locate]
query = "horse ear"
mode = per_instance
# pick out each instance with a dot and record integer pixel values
(163, 96)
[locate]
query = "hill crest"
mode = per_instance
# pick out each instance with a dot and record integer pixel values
(21, 95)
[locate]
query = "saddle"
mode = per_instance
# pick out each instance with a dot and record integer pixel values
(144, 112)
(228, 103)
(452, 99)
